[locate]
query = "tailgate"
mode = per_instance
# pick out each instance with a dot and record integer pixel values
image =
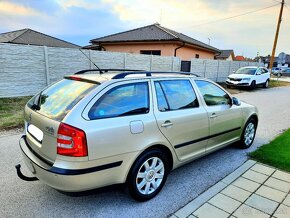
(45, 111)
(41, 134)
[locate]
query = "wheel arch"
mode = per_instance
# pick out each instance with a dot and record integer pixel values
(255, 117)
(161, 147)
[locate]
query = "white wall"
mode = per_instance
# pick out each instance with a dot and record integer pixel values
(25, 69)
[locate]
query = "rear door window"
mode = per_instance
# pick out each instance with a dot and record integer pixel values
(123, 100)
(175, 95)
(58, 99)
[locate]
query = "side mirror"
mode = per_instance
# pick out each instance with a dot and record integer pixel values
(234, 71)
(258, 73)
(236, 101)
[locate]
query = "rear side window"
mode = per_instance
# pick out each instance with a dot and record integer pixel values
(212, 94)
(58, 99)
(175, 95)
(265, 70)
(123, 100)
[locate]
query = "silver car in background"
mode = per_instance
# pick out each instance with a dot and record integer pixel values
(87, 131)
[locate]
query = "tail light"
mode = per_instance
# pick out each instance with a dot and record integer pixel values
(71, 141)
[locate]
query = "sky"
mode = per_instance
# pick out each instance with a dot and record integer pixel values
(79, 21)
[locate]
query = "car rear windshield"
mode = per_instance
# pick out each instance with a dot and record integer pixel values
(58, 99)
(250, 71)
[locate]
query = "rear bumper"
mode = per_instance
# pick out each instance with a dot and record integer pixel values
(74, 180)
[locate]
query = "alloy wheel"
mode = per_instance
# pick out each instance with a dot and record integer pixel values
(249, 134)
(150, 175)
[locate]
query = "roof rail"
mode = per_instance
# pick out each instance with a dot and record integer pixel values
(102, 70)
(149, 73)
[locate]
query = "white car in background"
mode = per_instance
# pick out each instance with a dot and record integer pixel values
(249, 77)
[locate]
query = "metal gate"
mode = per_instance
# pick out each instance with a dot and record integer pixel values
(185, 66)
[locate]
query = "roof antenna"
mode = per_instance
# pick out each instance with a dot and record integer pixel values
(101, 72)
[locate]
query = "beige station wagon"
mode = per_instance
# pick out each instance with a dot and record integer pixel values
(93, 130)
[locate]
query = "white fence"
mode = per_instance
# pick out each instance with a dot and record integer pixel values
(218, 70)
(25, 70)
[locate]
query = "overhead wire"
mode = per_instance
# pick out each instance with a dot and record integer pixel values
(235, 16)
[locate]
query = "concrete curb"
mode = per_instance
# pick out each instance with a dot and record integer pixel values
(205, 196)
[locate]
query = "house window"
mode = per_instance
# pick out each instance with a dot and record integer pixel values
(196, 55)
(150, 52)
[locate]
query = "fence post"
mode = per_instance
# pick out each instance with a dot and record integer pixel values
(151, 59)
(46, 65)
(218, 68)
(172, 65)
(204, 73)
(90, 56)
(125, 60)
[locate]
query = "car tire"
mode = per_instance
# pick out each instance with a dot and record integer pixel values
(266, 84)
(148, 175)
(253, 84)
(248, 134)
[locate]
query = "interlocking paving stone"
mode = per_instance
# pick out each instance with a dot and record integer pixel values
(283, 211)
(278, 184)
(262, 204)
(272, 194)
(200, 200)
(255, 176)
(236, 193)
(287, 200)
(263, 169)
(282, 176)
(246, 184)
(209, 211)
(245, 211)
(225, 203)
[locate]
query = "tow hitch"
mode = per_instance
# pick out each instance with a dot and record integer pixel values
(21, 176)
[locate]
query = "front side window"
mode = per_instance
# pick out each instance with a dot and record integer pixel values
(175, 95)
(212, 94)
(259, 71)
(123, 100)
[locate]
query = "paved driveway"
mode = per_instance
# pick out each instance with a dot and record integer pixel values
(26, 199)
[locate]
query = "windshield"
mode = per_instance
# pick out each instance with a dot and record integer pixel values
(249, 71)
(57, 100)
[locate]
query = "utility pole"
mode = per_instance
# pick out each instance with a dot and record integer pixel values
(276, 36)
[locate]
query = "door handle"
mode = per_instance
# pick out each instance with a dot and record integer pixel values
(167, 123)
(213, 115)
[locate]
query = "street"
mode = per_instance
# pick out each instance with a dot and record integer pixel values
(34, 199)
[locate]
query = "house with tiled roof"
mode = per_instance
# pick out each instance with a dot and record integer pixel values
(240, 58)
(155, 40)
(32, 37)
(226, 55)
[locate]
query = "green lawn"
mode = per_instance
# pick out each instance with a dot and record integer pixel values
(277, 83)
(11, 112)
(276, 153)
